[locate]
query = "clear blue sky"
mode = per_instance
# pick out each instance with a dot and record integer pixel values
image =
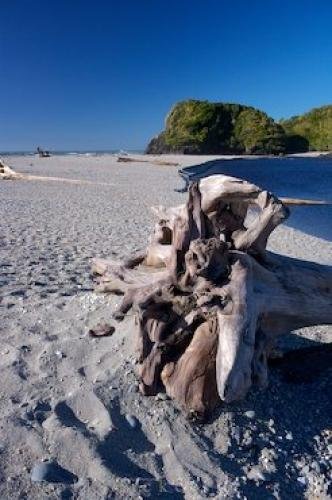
(102, 74)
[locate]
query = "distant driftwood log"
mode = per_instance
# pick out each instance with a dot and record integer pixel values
(128, 159)
(7, 174)
(210, 300)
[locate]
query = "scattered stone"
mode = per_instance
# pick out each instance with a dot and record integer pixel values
(302, 480)
(20, 292)
(289, 436)
(267, 460)
(255, 473)
(235, 433)
(40, 283)
(101, 330)
(250, 414)
(25, 348)
(52, 472)
(161, 396)
(315, 466)
(247, 438)
(206, 490)
(132, 421)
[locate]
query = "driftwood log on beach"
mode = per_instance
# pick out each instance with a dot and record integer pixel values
(130, 159)
(210, 300)
(8, 174)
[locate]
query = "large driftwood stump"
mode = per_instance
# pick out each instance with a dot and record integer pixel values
(210, 300)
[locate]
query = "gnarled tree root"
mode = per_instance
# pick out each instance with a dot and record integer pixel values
(210, 300)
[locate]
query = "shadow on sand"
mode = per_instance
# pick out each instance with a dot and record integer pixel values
(298, 400)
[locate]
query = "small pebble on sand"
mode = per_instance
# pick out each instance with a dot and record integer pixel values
(52, 472)
(256, 474)
(302, 480)
(161, 396)
(132, 421)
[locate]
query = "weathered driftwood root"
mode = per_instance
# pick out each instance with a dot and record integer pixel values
(210, 300)
(8, 174)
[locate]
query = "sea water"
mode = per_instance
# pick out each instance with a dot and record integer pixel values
(309, 178)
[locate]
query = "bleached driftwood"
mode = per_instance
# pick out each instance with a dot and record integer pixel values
(8, 174)
(154, 161)
(210, 299)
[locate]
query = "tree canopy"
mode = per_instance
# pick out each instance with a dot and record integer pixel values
(203, 127)
(314, 126)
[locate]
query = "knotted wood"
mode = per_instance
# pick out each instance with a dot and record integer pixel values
(210, 300)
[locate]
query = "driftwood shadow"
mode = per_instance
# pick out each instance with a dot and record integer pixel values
(298, 400)
(114, 449)
(304, 365)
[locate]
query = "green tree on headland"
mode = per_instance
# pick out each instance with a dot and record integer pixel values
(202, 127)
(257, 133)
(315, 126)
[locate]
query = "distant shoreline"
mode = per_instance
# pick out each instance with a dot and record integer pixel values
(140, 153)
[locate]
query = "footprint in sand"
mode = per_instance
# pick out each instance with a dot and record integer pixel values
(83, 409)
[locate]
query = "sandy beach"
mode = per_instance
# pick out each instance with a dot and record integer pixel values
(69, 398)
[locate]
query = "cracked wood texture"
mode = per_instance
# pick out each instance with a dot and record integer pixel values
(210, 300)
